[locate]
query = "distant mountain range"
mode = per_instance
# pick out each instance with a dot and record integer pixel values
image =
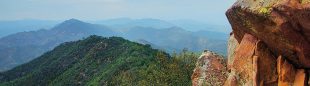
(22, 47)
(176, 39)
(19, 48)
(129, 23)
(192, 25)
(11, 27)
(14, 26)
(188, 25)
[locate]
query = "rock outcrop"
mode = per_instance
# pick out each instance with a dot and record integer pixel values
(270, 43)
(210, 70)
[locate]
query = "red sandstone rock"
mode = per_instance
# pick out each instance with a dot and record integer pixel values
(269, 45)
(232, 45)
(242, 63)
(266, 30)
(283, 25)
(286, 72)
(231, 81)
(254, 63)
(210, 70)
(289, 76)
(300, 78)
(265, 66)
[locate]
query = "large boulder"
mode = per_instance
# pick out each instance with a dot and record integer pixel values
(283, 25)
(270, 43)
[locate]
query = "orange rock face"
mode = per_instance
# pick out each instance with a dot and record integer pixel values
(210, 70)
(253, 63)
(242, 63)
(301, 78)
(286, 72)
(231, 81)
(232, 45)
(283, 25)
(270, 43)
(266, 74)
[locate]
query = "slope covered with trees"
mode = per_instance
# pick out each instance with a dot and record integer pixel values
(103, 61)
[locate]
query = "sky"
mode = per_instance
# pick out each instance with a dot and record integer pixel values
(212, 11)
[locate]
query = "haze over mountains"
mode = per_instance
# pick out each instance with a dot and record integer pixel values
(19, 48)
(113, 42)
(14, 26)
(11, 27)
(189, 25)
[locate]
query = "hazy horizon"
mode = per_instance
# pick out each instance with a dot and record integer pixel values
(93, 10)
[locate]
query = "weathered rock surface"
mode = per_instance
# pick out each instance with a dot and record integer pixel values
(270, 43)
(301, 78)
(286, 72)
(252, 63)
(210, 70)
(232, 45)
(283, 25)
(231, 80)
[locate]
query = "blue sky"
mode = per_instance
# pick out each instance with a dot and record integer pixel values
(199, 10)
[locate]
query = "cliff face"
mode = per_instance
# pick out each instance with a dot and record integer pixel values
(270, 43)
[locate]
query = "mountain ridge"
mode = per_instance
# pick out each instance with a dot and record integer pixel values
(34, 43)
(24, 46)
(99, 60)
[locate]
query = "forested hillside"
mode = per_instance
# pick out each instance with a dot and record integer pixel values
(103, 61)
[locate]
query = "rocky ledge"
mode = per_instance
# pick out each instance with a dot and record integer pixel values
(270, 43)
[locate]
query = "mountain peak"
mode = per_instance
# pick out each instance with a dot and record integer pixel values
(71, 21)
